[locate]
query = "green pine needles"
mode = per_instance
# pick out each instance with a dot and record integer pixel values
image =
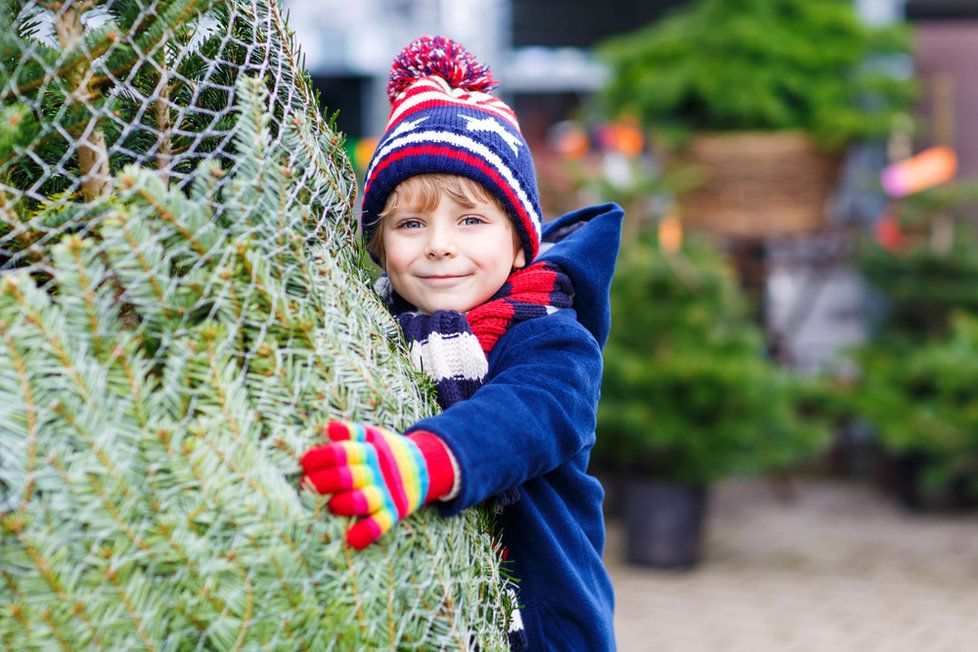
(688, 395)
(169, 346)
(760, 65)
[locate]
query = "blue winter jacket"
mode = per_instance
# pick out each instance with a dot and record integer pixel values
(531, 425)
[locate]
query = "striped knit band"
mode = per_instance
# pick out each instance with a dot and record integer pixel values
(435, 128)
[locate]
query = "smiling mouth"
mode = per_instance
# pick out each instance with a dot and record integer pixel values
(444, 279)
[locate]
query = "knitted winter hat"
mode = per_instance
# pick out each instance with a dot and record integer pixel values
(443, 120)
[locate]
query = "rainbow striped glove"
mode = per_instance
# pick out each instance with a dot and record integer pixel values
(378, 474)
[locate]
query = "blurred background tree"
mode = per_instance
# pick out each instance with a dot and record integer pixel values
(749, 65)
(689, 397)
(919, 384)
(760, 98)
(688, 393)
(923, 402)
(923, 261)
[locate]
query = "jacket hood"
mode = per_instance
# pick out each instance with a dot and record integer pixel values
(585, 245)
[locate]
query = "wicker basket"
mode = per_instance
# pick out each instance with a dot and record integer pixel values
(758, 184)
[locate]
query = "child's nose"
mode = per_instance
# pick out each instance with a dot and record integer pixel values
(440, 243)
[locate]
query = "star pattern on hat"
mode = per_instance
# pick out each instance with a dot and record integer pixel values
(406, 126)
(494, 126)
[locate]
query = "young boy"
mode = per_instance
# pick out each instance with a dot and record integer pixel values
(509, 318)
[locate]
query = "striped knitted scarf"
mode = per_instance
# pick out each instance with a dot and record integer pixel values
(454, 348)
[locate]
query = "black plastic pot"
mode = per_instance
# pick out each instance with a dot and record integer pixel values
(663, 523)
(914, 496)
(909, 468)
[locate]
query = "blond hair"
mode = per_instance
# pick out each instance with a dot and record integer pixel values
(422, 193)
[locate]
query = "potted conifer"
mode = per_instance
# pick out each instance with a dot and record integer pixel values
(918, 372)
(688, 396)
(762, 95)
(922, 403)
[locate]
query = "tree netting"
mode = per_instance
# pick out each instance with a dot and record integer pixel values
(182, 308)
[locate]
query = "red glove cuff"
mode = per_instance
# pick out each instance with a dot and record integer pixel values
(441, 472)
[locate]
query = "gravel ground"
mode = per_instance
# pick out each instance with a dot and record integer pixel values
(837, 568)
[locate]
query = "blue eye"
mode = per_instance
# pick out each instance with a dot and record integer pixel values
(409, 224)
(471, 220)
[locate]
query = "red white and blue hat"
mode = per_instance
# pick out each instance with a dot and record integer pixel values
(444, 121)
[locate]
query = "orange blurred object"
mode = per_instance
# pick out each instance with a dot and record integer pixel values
(570, 140)
(624, 137)
(670, 234)
(930, 168)
(363, 151)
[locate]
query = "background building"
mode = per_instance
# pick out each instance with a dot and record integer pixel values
(947, 60)
(538, 49)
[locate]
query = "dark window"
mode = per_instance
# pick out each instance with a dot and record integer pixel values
(941, 9)
(345, 94)
(581, 23)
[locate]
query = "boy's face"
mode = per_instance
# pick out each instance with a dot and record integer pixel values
(451, 257)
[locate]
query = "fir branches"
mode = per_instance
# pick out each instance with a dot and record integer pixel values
(167, 448)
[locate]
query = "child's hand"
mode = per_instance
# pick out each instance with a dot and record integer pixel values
(379, 474)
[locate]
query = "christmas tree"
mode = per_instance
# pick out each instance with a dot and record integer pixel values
(181, 309)
(688, 394)
(917, 386)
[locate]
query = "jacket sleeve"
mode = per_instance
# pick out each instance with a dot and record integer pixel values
(537, 410)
